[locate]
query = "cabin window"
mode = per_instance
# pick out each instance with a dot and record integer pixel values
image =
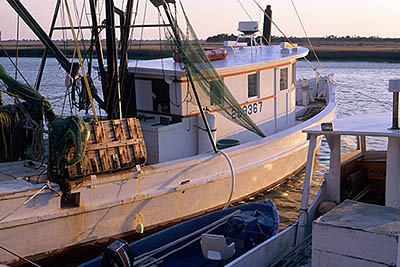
(294, 73)
(252, 82)
(216, 93)
(284, 79)
(161, 101)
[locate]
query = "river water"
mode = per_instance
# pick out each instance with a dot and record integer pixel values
(362, 88)
(368, 78)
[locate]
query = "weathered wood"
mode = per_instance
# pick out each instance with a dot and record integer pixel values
(303, 218)
(392, 173)
(356, 230)
(375, 170)
(334, 175)
(112, 145)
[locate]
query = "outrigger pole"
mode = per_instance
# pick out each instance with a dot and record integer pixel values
(46, 50)
(41, 34)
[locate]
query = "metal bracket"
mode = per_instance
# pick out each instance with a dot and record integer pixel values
(46, 186)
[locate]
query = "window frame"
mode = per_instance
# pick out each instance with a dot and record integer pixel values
(294, 73)
(257, 89)
(287, 78)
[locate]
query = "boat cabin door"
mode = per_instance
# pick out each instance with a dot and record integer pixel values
(282, 98)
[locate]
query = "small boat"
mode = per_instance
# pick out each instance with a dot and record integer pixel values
(355, 218)
(217, 237)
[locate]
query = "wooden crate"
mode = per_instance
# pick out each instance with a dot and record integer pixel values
(113, 145)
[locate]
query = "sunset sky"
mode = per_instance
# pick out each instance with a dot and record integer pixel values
(210, 17)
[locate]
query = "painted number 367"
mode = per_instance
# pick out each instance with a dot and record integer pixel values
(249, 109)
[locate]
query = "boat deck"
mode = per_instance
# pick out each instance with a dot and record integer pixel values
(378, 124)
(25, 169)
(236, 59)
(19, 176)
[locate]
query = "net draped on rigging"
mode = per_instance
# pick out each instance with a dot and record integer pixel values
(214, 91)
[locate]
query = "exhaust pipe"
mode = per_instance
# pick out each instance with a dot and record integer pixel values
(267, 24)
(394, 86)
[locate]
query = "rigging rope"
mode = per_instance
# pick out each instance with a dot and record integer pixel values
(16, 49)
(240, 3)
(363, 94)
(202, 74)
(288, 39)
(233, 177)
(15, 66)
(20, 257)
(81, 61)
(308, 39)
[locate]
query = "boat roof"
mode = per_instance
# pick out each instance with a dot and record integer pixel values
(238, 60)
(376, 124)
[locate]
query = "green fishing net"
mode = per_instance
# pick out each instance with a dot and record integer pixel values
(66, 135)
(213, 91)
(8, 120)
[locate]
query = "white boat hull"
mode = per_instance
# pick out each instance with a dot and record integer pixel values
(117, 203)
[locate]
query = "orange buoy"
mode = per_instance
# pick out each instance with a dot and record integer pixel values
(212, 54)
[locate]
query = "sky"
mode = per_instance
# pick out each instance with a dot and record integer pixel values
(210, 17)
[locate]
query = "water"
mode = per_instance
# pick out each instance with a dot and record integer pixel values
(369, 78)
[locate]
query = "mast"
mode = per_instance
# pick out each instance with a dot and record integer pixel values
(123, 68)
(112, 64)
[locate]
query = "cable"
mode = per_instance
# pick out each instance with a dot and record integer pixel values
(244, 10)
(308, 39)
(17, 49)
(15, 66)
(81, 62)
(233, 177)
(22, 258)
(363, 94)
(287, 38)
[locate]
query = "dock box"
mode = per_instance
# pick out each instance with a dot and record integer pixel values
(356, 234)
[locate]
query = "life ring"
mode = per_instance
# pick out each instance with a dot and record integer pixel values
(212, 54)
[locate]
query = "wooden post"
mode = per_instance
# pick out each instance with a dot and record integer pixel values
(303, 218)
(304, 91)
(392, 173)
(333, 177)
(316, 84)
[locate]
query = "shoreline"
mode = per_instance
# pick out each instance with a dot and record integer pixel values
(377, 50)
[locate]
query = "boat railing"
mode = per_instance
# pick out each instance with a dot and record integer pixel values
(308, 90)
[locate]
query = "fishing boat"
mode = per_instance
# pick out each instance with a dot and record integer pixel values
(355, 217)
(180, 138)
(220, 236)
